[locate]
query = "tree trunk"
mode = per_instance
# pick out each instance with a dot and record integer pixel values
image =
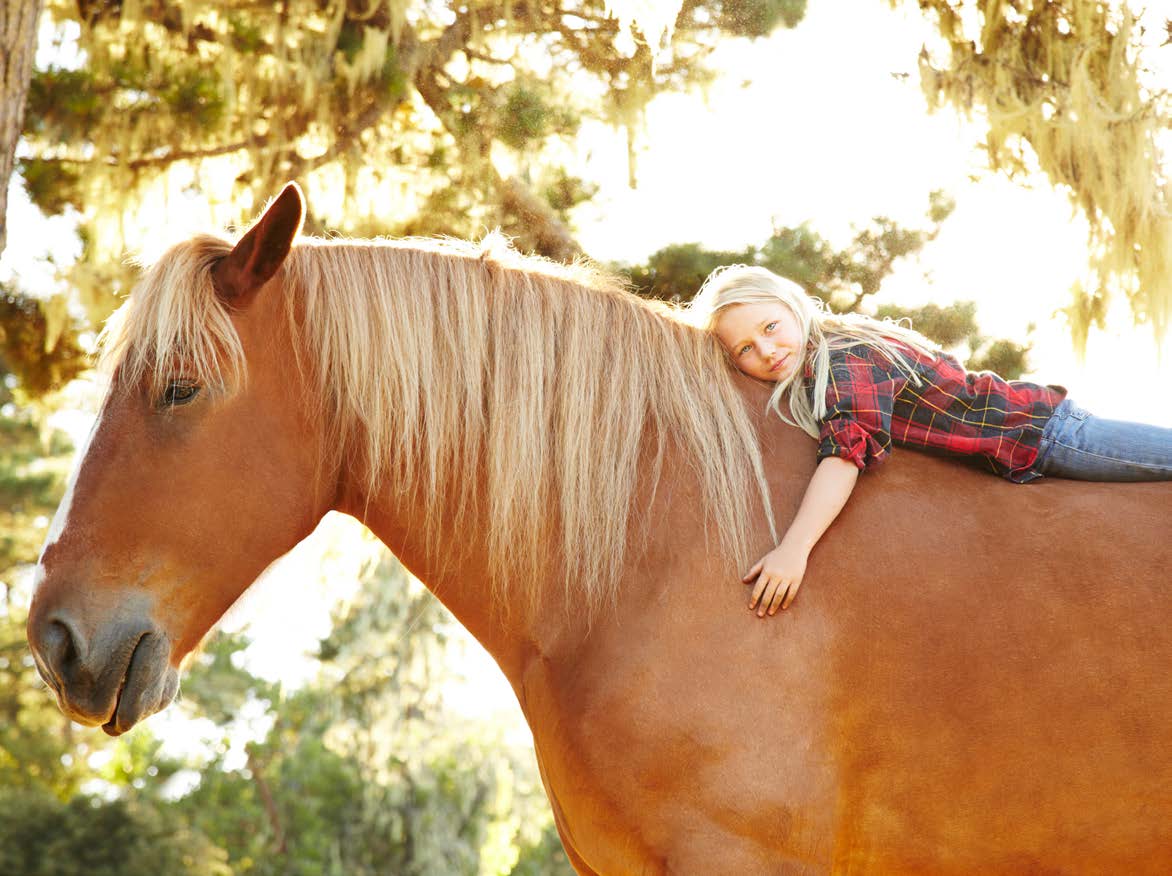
(551, 237)
(18, 43)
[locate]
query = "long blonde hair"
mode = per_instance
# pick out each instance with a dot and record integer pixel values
(821, 329)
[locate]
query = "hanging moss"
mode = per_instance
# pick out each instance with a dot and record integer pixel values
(229, 99)
(1062, 87)
(392, 79)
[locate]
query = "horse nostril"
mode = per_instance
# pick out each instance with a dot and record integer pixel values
(60, 649)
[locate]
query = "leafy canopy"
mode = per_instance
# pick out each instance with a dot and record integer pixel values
(398, 115)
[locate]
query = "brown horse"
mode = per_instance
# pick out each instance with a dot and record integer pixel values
(975, 678)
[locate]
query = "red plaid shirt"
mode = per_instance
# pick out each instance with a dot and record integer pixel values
(871, 403)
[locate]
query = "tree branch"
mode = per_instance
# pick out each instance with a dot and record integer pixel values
(553, 239)
(270, 803)
(187, 154)
(487, 59)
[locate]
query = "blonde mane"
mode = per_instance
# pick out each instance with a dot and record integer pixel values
(553, 387)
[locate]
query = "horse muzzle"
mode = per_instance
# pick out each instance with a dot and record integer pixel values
(114, 678)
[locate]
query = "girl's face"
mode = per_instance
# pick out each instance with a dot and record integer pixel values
(764, 340)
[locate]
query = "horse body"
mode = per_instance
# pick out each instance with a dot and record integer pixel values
(933, 716)
(974, 678)
(952, 693)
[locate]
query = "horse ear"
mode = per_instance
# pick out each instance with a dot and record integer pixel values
(260, 252)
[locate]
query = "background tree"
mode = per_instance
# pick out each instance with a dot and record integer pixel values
(38, 355)
(449, 120)
(37, 746)
(366, 770)
(403, 117)
(845, 279)
(86, 836)
(18, 41)
(1064, 89)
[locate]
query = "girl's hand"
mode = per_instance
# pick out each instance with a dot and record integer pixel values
(778, 576)
(779, 573)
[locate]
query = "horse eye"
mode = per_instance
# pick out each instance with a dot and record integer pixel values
(178, 392)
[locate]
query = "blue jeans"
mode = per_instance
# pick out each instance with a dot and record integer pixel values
(1077, 444)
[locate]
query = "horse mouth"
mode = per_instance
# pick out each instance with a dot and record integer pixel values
(148, 685)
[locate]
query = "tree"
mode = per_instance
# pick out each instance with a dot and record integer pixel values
(404, 117)
(366, 771)
(845, 279)
(38, 749)
(18, 41)
(38, 355)
(44, 836)
(1065, 91)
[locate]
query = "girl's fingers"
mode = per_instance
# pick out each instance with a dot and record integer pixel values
(758, 590)
(767, 597)
(753, 572)
(793, 591)
(780, 594)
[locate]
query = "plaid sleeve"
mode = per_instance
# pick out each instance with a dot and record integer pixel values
(859, 400)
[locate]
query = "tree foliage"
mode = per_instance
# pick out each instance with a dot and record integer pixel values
(366, 770)
(39, 349)
(1064, 89)
(845, 279)
(398, 115)
(85, 836)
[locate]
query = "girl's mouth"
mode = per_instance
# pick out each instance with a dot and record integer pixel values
(776, 366)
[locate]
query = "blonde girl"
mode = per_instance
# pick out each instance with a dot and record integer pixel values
(859, 385)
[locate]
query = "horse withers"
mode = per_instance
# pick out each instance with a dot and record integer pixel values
(974, 679)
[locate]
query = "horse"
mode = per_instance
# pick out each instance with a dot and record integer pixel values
(973, 680)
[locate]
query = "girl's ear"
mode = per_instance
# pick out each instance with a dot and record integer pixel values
(239, 276)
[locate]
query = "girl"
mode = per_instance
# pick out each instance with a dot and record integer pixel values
(858, 385)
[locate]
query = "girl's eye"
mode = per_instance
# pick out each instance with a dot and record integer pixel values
(743, 350)
(771, 326)
(177, 393)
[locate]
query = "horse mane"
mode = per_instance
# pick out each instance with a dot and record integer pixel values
(555, 384)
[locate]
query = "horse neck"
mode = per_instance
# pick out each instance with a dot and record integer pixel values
(448, 550)
(453, 568)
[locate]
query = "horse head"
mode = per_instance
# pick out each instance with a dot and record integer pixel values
(193, 481)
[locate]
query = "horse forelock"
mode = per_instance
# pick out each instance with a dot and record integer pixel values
(173, 325)
(442, 367)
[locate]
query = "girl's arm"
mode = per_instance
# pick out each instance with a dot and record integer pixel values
(779, 573)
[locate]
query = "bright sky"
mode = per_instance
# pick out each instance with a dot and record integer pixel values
(809, 125)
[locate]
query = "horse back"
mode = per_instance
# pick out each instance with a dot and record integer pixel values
(973, 678)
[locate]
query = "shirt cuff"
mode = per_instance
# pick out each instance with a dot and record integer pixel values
(850, 441)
